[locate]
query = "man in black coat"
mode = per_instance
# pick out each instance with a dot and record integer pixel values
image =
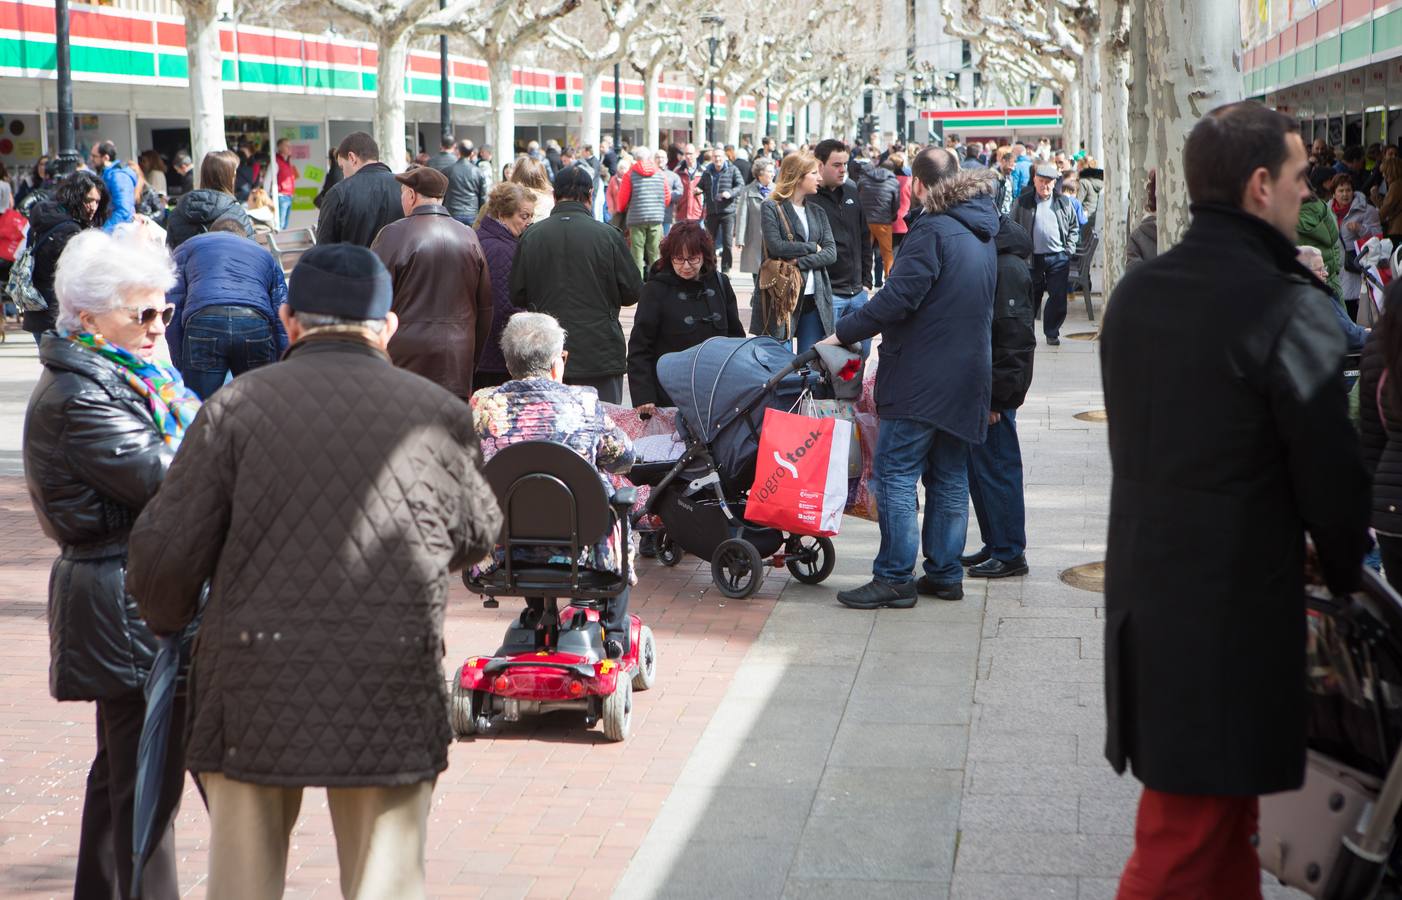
(580, 271)
(838, 196)
(363, 202)
(1229, 443)
(720, 186)
(995, 466)
(467, 186)
(1050, 218)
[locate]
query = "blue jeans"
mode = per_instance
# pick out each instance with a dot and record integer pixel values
(995, 486)
(223, 339)
(841, 306)
(284, 210)
(1051, 273)
(907, 450)
(465, 219)
(809, 330)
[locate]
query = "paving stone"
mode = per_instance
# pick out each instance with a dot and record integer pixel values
(1098, 888)
(1030, 778)
(1007, 813)
(708, 870)
(899, 745)
(846, 889)
(1100, 814)
(916, 704)
(866, 846)
(1021, 746)
(942, 669)
(724, 814)
(901, 792)
(974, 886)
(1043, 854)
(1032, 625)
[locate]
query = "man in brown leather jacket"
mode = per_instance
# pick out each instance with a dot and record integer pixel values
(442, 292)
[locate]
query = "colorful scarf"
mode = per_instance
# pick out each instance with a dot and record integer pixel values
(173, 406)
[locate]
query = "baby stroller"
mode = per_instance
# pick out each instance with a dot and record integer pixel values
(721, 389)
(1336, 838)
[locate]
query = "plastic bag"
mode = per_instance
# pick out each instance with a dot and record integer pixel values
(801, 475)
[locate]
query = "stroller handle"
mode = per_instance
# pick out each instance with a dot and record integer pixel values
(799, 362)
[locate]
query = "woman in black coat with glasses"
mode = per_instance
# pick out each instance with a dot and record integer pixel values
(684, 302)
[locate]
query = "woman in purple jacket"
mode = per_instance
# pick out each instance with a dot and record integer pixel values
(509, 211)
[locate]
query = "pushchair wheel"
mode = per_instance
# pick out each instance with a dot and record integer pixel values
(668, 553)
(736, 568)
(810, 559)
(618, 711)
(461, 714)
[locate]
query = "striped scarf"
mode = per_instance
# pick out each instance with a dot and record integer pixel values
(173, 406)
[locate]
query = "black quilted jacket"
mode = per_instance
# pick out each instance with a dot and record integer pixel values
(328, 497)
(92, 461)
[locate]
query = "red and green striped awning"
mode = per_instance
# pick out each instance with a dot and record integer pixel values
(1011, 117)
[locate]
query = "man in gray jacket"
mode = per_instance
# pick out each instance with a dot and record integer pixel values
(467, 187)
(325, 500)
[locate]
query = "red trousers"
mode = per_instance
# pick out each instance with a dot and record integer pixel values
(1190, 847)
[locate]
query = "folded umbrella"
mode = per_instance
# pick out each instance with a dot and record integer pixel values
(151, 754)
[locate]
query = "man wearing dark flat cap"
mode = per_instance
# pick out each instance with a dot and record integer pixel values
(442, 292)
(580, 271)
(325, 499)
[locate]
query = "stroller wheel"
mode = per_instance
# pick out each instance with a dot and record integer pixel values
(736, 568)
(668, 553)
(811, 559)
(618, 711)
(461, 715)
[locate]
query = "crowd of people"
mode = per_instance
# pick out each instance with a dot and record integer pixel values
(297, 475)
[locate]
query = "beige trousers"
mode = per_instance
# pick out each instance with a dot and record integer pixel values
(380, 837)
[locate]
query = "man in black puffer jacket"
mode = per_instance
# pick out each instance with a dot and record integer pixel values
(720, 186)
(995, 466)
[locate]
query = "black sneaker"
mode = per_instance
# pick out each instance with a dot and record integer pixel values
(973, 559)
(1053, 342)
(615, 644)
(998, 568)
(647, 545)
(876, 594)
(930, 588)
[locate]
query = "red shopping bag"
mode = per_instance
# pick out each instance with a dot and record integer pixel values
(800, 474)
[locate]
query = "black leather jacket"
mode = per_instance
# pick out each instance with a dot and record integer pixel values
(467, 189)
(92, 460)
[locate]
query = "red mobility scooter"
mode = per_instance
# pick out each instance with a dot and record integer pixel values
(552, 500)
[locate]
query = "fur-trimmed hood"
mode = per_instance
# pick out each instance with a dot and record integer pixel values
(966, 196)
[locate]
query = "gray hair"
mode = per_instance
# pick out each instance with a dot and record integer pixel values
(317, 321)
(531, 342)
(762, 164)
(6, 196)
(97, 272)
(643, 153)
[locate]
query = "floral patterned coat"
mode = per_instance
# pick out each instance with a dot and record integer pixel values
(539, 409)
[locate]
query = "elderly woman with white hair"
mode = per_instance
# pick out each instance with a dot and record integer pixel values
(535, 405)
(1311, 258)
(101, 429)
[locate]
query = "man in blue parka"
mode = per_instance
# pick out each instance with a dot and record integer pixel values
(934, 385)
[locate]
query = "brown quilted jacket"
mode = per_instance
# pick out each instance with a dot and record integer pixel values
(327, 497)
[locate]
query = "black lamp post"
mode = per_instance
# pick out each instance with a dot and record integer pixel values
(67, 151)
(618, 109)
(716, 22)
(445, 109)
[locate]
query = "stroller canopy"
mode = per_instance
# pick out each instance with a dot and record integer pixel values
(717, 381)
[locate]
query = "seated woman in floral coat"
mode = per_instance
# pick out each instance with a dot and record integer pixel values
(536, 406)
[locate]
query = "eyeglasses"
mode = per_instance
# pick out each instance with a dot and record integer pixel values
(691, 261)
(147, 314)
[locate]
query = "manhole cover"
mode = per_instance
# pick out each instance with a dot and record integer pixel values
(1093, 415)
(1084, 336)
(1087, 577)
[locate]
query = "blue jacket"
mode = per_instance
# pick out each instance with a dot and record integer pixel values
(935, 314)
(121, 187)
(1022, 174)
(223, 269)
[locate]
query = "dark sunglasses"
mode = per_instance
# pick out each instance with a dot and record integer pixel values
(147, 314)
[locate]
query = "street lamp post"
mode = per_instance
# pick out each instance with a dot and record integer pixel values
(67, 152)
(618, 109)
(445, 109)
(716, 22)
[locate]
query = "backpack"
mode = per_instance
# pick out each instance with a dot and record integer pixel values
(20, 285)
(780, 284)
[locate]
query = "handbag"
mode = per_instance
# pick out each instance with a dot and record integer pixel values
(780, 285)
(20, 285)
(800, 481)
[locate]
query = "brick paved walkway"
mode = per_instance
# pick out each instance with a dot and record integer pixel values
(542, 809)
